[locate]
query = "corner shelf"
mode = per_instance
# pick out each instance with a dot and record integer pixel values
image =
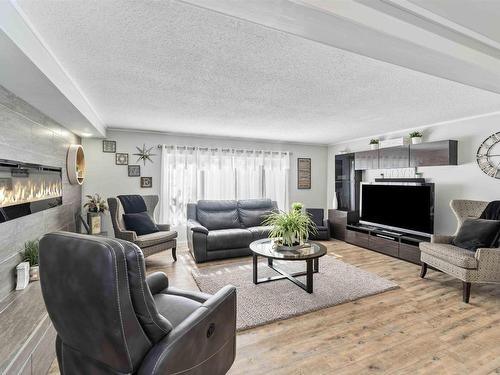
(75, 164)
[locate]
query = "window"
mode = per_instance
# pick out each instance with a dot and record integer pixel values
(189, 174)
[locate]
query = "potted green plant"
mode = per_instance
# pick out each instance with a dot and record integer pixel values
(30, 255)
(95, 207)
(374, 143)
(416, 137)
(290, 229)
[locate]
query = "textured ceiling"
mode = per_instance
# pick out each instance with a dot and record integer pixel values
(172, 67)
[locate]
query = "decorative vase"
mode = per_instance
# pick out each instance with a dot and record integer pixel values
(416, 140)
(374, 146)
(335, 203)
(94, 222)
(34, 272)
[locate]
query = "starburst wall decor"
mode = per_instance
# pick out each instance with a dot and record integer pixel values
(144, 154)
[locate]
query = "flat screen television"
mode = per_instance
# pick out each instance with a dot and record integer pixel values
(405, 208)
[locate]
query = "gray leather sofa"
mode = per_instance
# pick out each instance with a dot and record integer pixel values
(218, 229)
(111, 318)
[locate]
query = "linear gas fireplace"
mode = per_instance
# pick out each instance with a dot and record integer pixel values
(28, 188)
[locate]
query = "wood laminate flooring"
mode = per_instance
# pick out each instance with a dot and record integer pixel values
(421, 328)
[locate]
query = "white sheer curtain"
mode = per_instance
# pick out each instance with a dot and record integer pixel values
(189, 174)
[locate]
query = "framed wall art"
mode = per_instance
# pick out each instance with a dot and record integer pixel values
(108, 146)
(303, 173)
(146, 182)
(121, 158)
(134, 170)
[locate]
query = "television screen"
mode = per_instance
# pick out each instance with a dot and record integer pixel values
(404, 207)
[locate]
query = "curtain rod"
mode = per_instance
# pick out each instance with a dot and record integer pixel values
(223, 149)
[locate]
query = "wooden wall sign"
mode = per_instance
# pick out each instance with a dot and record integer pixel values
(303, 173)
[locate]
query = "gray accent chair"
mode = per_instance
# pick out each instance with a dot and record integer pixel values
(218, 229)
(482, 266)
(322, 225)
(149, 243)
(111, 318)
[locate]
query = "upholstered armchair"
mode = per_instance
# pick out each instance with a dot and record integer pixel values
(322, 225)
(149, 243)
(111, 318)
(482, 266)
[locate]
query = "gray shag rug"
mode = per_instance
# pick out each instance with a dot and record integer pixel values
(336, 283)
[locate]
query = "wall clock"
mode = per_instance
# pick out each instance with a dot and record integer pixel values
(488, 156)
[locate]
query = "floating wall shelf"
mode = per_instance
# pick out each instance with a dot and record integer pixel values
(75, 165)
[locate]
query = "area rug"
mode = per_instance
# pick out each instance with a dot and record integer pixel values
(337, 282)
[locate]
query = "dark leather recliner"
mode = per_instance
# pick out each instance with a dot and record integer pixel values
(112, 319)
(322, 225)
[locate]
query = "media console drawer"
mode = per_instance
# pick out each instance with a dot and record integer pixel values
(383, 245)
(356, 238)
(409, 253)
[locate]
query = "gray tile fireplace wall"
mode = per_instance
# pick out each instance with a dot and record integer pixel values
(28, 135)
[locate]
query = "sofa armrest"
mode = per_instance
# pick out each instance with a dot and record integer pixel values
(205, 342)
(157, 282)
(163, 227)
(196, 227)
(194, 295)
(127, 235)
(438, 238)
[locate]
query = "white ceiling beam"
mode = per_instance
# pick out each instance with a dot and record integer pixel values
(362, 29)
(17, 27)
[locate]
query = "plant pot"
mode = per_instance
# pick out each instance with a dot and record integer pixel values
(94, 222)
(374, 146)
(295, 246)
(34, 273)
(416, 140)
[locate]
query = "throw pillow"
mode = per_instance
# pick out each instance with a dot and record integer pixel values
(140, 223)
(132, 203)
(477, 233)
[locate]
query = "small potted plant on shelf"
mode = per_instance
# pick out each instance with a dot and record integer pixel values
(416, 137)
(30, 255)
(95, 207)
(290, 230)
(374, 143)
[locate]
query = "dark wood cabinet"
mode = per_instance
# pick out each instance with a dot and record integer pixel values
(366, 160)
(394, 157)
(357, 238)
(338, 222)
(434, 153)
(402, 246)
(347, 182)
(384, 244)
(426, 154)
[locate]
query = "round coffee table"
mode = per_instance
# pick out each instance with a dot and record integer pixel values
(310, 252)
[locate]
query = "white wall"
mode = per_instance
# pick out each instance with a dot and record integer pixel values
(108, 179)
(464, 181)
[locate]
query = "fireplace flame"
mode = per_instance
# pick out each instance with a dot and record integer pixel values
(29, 192)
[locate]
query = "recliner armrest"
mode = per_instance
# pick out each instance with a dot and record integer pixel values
(196, 227)
(157, 282)
(205, 342)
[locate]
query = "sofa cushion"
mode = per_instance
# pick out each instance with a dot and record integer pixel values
(175, 308)
(141, 223)
(253, 211)
(132, 204)
(477, 233)
(316, 215)
(155, 238)
(451, 254)
(260, 232)
(218, 214)
(228, 239)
